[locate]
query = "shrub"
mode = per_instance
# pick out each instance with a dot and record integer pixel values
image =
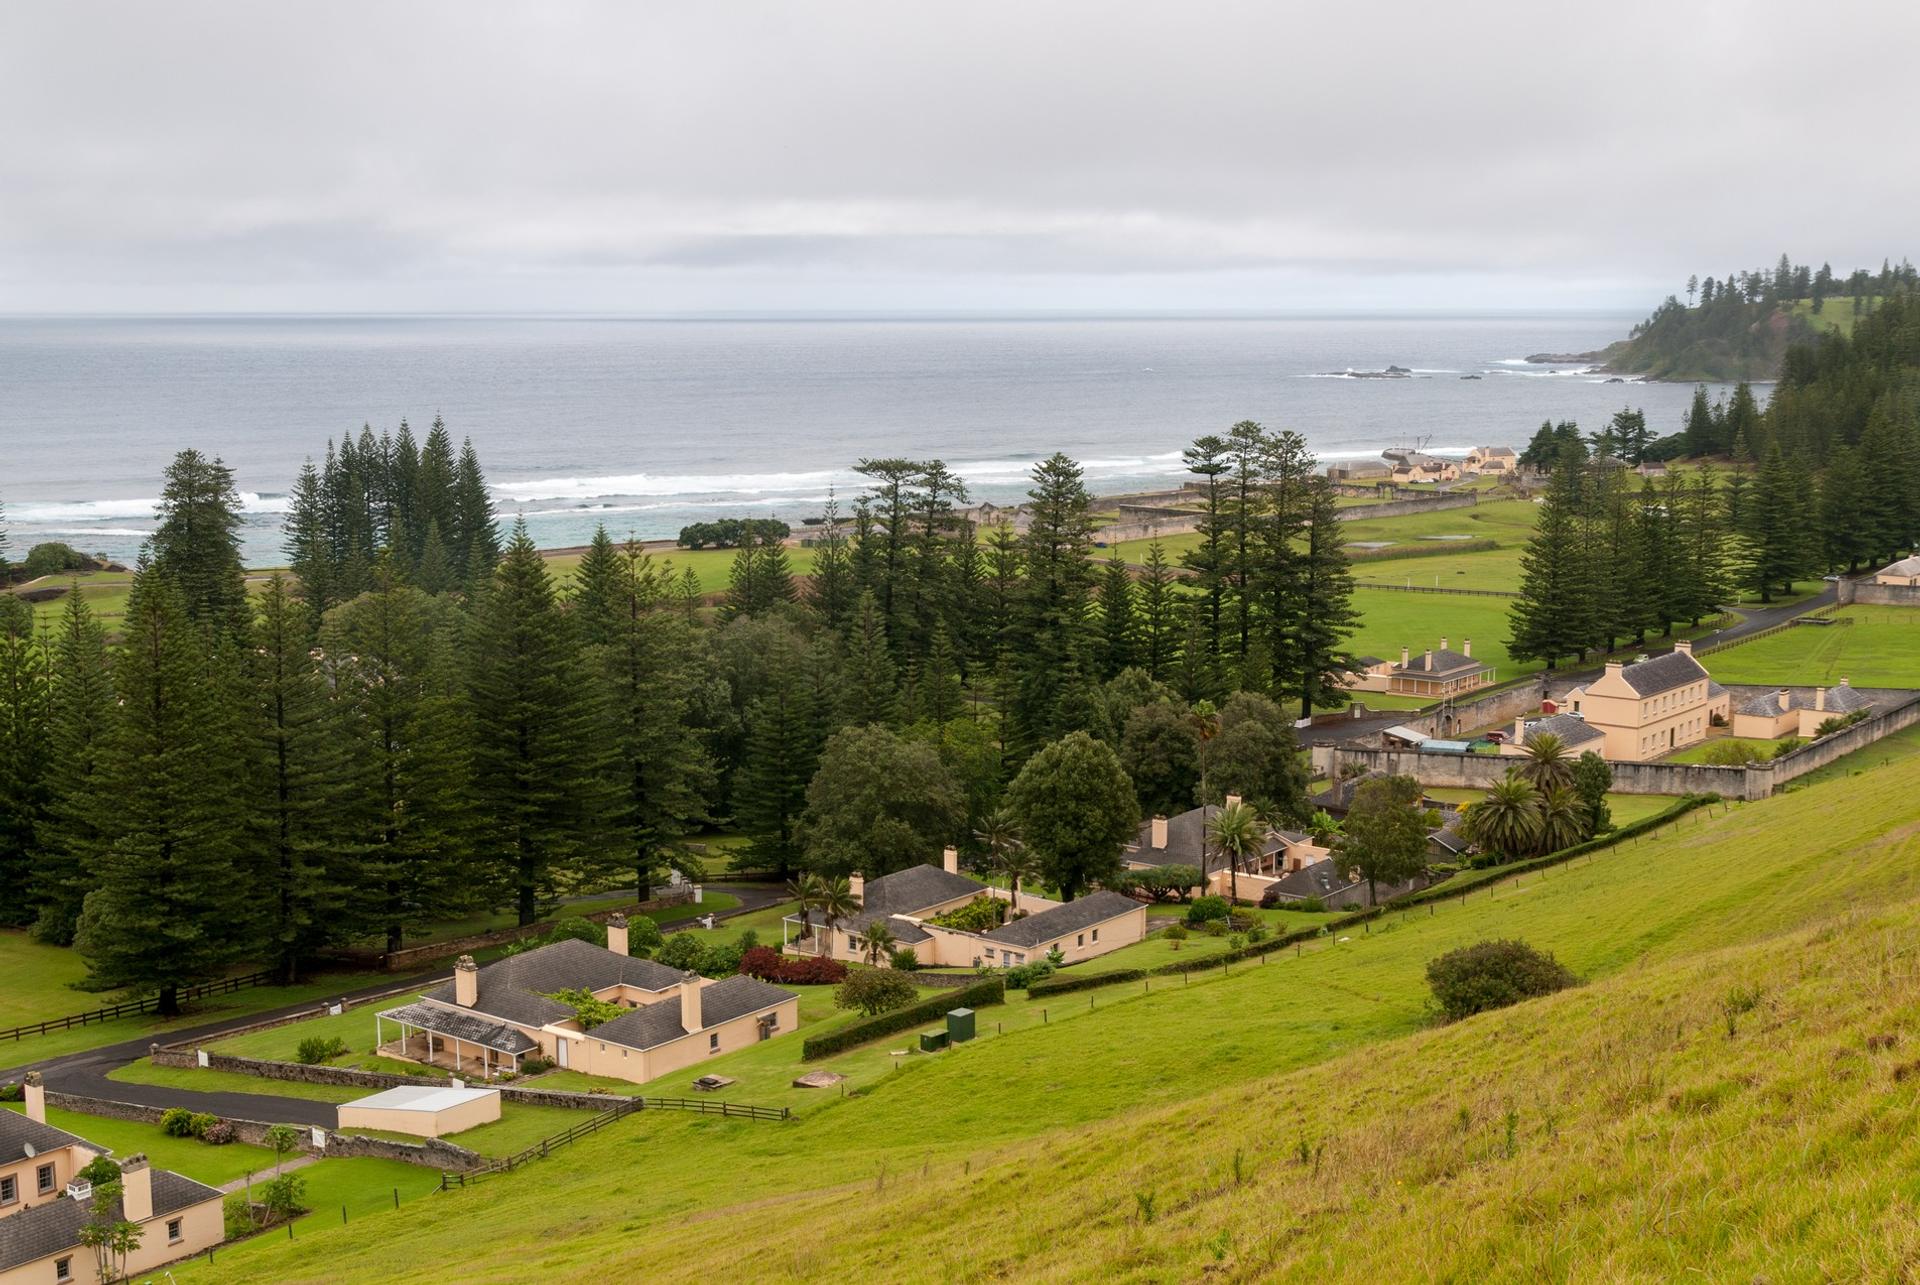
(683, 951)
(982, 914)
(760, 961)
(747, 940)
(1493, 974)
(316, 1049)
(1055, 956)
(874, 991)
(217, 1134)
(1730, 753)
(1241, 920)
(177, 1122)
(53, 557)
(534, 1065)
(238, 1216)
(1163, 883)
(1237, 940)
(903, 959)
(1839, 722)
(1257, 933)
(575, 928)
(1214, 928)
(1208, 908)
(981, 994)
(1787, 745)
(13, 1092)
(1175, 933)
(282, 1196)
(643, 936)
(587, 1010)
(1022, 976)
(770, 965)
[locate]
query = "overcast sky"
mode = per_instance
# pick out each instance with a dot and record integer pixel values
(840, 155)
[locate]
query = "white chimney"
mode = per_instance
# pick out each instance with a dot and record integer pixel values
(617, 934)
(1443, 642)
(1786, 698)
(1429, 655)
(1159, 832)
(857, 885)
(136, 1189)
(950, 860)
(1819, 699)
(1406, 654)
(466, 982)
(1520, 729)
(1684, 647)
(1233, 800)
(36, 1097)
(690, 1001)
(1466, 648)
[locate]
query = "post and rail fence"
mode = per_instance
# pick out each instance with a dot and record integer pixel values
(129, 1008)
(450, 1179)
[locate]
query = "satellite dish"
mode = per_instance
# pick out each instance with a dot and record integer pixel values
(31, 1150)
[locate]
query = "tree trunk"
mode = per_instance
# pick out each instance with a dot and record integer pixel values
(169, 1002)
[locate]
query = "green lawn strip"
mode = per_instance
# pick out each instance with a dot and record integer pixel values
(282, 1043)
(518, 1128)
(1493, 569)
(210, 1081)
(40, 982)
(364, 1186)
(1881, 648)
(711, 903)
(713, 566)
(1705, 882)
(1883, 753)
(1702, 751)
(1623, 807)
(189, 1156)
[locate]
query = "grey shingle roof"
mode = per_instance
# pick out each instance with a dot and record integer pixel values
(658, 1023)
(17, 1132)
(1366, 662)
(1321, 879)
(1663, 673)
(515, 989)
(54, 1228)
(463, 1024)
(1570, 730)
(1185, 835)
(1904, 567)
(905, 892)
(1766, 704)
(1840, 700)
(1443, 661)
(1082, 912)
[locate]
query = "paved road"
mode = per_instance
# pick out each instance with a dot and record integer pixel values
(85, 1072)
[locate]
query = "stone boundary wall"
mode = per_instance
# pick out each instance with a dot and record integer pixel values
(1749, 783)
(429, 1153)
(1868, 594)
(349, 1077)
(952, 981)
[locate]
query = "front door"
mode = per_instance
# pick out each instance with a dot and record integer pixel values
(560, 1052)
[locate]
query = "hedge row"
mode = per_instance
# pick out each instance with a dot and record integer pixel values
(1063, 984)
(1489, 874)
(1426, 549)
(990, 990)
(1060, 985)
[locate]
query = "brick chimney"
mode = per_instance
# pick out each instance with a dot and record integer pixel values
(136, 1188)
(1684, 647)
(1614, 667)
(950, 860)
(1786, 698)
(690, 1001)
(466, 982)
(857, 885)
(36, 1098)
(1466, 648)
(1520, 729)
(1159, 832)
(617, 934)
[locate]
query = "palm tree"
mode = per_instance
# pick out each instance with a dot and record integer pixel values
(1563, 818)
(806, 890)
(877, 942)
(1548, 762)
(1239, 833)
(1507, 820)
(1007, 854)
(1324, 827)
(836, 902)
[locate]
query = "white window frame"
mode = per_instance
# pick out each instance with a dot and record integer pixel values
(9, 1190)
(63, 1268)
(175, 1232)
(45, 1178)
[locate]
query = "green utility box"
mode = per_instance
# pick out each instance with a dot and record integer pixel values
(932, 1041)
(960, 1025)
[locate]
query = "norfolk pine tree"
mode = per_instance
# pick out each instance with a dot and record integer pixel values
(197, 544)
(24, 696)
(81, 712)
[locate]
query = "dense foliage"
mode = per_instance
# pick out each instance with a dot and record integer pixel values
(728, 533)
(1493, 974)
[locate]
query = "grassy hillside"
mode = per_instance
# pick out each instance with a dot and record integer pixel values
(1021, 1155)
(1881, 648)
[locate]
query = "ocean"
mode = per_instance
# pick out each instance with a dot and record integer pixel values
(647, 424)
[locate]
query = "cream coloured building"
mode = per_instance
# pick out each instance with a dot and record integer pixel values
(1905, 572)
(1652, 707)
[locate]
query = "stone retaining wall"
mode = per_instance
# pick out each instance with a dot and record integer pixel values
(430, 1153)
(1412, 504)
(1867, 593)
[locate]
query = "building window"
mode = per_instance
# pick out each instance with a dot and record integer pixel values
(713, 1042)
(45, 1179)
(173, 1231)
(1096, 934)
(1081, 940)
(63, 1269)
(9, 1190)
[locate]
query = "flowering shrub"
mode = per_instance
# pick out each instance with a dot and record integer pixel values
(770, 965)
(218, 1134)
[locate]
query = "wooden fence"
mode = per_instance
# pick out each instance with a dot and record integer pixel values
(128, 1008)
(507, 1164)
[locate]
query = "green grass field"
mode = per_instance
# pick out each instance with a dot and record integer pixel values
(1700, 752)
(189, 1156)
(1880, 649)
(1623, 808)
(1024, 1119)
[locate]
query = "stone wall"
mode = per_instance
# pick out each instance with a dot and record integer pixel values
(1412, 504)
(1869, 594)
(430, 1153)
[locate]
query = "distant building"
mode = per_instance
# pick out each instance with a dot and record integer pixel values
(1491, 461)
(1410, 466)
(1573, 731)
(1905, 572)
(1652, 707)
(1771, 715)
(1435, 673)
(1360, 471)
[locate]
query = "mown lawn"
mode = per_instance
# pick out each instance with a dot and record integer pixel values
(355, 1026)
(211, 1081)
(1085, 1064)
(189, 1156)
(1881, 648)
(1702, 751)
(1624, 808)
(713, 566)
(40, 982)
(361, 1186)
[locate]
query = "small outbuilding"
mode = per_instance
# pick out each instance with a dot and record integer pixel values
(424, 1110)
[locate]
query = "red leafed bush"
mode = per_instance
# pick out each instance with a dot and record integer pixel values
(770, 965)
